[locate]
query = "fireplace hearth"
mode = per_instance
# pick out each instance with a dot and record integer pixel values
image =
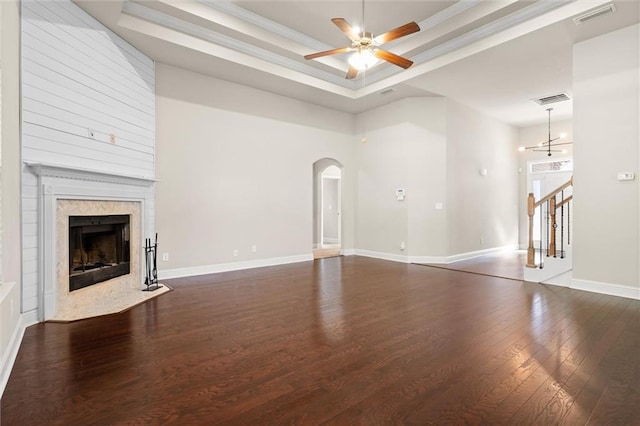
(99, 249)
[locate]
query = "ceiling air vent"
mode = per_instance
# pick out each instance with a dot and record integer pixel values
(387, 91)
(551, 99)
(595, 13)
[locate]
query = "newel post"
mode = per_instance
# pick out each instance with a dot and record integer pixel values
(531, 254)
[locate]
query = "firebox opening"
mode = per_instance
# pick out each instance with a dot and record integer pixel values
(99, 249)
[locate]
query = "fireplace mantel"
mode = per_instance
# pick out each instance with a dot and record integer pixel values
(53, 171)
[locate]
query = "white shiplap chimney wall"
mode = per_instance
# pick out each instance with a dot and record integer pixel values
(88, 102)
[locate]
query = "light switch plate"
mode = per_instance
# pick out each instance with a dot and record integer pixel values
(626, 176)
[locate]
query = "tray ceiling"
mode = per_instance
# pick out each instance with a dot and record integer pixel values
(261, 44)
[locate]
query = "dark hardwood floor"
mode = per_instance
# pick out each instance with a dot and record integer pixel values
(339, 341)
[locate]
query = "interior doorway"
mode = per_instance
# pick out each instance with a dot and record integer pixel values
(330, 201)
(327, 240)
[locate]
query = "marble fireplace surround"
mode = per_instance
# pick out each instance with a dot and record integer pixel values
(67, 192)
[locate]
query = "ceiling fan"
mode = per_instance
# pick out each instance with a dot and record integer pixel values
(546, 146)
(366, 46)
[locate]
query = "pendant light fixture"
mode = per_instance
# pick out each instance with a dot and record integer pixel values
(550, 143)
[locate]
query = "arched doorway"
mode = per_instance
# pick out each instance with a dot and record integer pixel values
(327, 217)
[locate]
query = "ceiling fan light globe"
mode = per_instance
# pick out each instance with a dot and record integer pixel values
(363, 60)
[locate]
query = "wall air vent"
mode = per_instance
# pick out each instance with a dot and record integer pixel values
(595, 13)
(552, 99)
(387, 91)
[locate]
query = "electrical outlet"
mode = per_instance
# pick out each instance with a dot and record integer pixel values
(481, 241)
(235, 252)
(254, 248)
(402, 245)
(165, 257)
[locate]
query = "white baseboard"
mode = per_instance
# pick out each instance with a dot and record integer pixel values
(384, 256)
(460, 256)
(562, 280)
(11, 352)
(431, 259)
(348, 252)
(235, 266)
(606, 288)
(567, 280)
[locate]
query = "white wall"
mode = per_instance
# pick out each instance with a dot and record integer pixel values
(76, 76)
(482, 209)
(434, 148)
(79, 76)
(405, 149)
(529, 136)
(235, 169)
(10, 140)
(606, 74)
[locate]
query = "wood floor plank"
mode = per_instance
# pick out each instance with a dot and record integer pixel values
(345, 340)
(580, 367)
(504, 372)
(462, 372)
(514, 410)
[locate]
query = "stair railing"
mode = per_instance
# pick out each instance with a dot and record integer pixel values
(550, 208)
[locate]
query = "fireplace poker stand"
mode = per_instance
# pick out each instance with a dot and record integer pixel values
(150, 256)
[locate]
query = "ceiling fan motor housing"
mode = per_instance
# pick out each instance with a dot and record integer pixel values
(366, 40)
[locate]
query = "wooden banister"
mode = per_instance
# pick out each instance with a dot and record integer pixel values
(563, 202)
(552, 206)
(555, 192)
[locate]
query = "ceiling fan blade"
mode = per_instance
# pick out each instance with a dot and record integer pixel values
(393, 58)
(346, 28)
(402, 31)
(328, 52)
(351, 73)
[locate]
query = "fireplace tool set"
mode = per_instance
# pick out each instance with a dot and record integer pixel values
(151, 264)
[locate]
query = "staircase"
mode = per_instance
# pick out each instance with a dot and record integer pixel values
(549, 248)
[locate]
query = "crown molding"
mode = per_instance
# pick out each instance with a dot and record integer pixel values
(232, 9)
(227, 7)
(500, 31)
(170, 22)
(527, 19)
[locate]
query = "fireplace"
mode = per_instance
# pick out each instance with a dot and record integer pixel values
(69, 192)
(99, 249)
